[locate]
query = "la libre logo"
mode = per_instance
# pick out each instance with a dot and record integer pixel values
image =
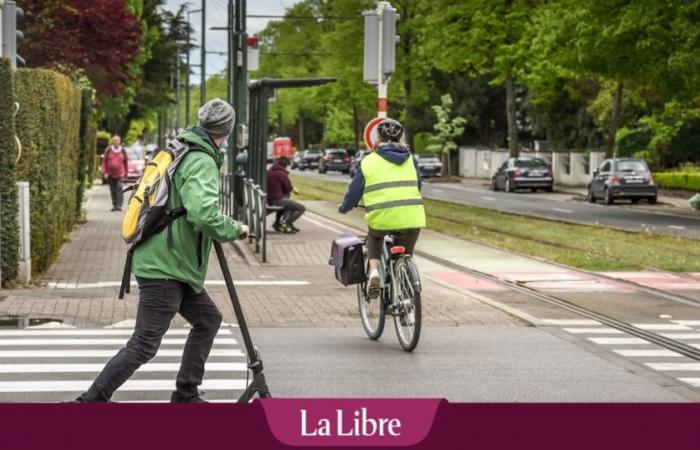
(356, 424)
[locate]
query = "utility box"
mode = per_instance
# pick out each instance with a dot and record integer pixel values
(25, 245)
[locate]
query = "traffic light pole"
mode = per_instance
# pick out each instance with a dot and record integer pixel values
(382, 80)
(203, 87)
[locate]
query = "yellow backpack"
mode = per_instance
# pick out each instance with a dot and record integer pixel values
(146, 212)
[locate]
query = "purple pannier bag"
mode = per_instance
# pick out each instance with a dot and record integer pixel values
(348, 259)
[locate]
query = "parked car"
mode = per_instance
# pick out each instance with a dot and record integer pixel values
(622, 178)
(295, 160)
(523, 173)
(334, 159)
(150, 151)
(310, 159)
(137, 161)
(356, 160)
(429, 166)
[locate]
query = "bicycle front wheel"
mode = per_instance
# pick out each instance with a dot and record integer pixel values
(371, 311)
(408, 315)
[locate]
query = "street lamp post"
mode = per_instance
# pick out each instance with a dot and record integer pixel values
(187, 80)
(203, 87)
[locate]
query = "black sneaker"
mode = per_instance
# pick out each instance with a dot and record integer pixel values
(114, 208)
(294, 229)
(278, 227)
(176, 397)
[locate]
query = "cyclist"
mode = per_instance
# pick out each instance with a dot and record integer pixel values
(388, 183)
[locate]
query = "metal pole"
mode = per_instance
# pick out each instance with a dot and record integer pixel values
(187, 77)
(230, 70)
(381, 81)
(177, 92)
(203, 87)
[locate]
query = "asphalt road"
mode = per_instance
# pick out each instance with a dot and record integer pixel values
(554, 207)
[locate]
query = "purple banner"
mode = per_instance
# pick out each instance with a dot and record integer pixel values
(276, 424)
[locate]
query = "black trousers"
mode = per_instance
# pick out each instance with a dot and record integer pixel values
(159, 301)
(406, 238)
(115, 189)
(291, 212)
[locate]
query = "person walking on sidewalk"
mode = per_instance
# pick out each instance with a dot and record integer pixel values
(279, 189)
(170, 267)
(115, 167)
(388, 182)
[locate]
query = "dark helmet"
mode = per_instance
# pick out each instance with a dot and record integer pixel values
(389, 130)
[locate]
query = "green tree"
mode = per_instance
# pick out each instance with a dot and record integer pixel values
(446, 130)
(484, 37)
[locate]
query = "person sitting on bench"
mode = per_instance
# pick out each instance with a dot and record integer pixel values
(279, 189)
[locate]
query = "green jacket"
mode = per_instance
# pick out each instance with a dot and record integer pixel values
(196, 188)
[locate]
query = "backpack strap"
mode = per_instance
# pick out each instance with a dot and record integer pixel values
(126, 276)
(172, 217)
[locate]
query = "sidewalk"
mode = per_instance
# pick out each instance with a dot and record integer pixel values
(296, 288)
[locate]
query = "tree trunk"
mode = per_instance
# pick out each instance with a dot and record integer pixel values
(614, 122)
(302, 141)
(510, 114)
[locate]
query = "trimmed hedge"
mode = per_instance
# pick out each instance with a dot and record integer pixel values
(678, 180)
(9, 233)
(48, 124)
(86, 161)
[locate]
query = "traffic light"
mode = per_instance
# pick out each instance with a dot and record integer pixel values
(10, 35)
(389, 39)
(384, 18)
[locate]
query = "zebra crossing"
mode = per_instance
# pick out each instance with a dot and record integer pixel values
(58, 364)
(645, 353)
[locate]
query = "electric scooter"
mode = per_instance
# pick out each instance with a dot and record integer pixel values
(258, 384)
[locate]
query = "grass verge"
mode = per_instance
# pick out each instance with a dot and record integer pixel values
(582, 246)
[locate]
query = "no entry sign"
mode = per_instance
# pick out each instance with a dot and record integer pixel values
(371, 133)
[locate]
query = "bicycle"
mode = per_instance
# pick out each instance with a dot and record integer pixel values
(399, 296)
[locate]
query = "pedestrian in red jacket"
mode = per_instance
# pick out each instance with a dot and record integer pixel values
(115, 166)
(279, 189)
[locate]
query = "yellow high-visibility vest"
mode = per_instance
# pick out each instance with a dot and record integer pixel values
(391, 196)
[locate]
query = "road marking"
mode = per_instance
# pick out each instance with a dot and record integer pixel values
(681, 336)
(691, 381)
(93, 332)
(130, 385)
(322, 225)
(604, 330)
(570, 322)
(117, 342)
(676, 227)
(106, 284)
(90, 368)
(437, 191)
(568, 211)
(661, 326)
(656, 353)
(619, 341)
(491, 199)
(691, 323)
(668, 367)
(101, 353)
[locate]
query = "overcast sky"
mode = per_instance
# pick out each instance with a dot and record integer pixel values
(217, 17)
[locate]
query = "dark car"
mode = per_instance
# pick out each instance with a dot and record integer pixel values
(310, 159)
(622, 178)
(429, 166)
(356, 160)
(334, 159)
(295, 161)
(523, 173)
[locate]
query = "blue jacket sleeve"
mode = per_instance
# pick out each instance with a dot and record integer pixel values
(355, 191)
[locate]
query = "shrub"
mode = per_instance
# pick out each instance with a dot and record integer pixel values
(679, 180)
(9, 233)
(48, 124)
(86, 160)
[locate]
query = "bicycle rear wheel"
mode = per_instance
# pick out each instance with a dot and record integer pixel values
(408, 316)
(371, 311)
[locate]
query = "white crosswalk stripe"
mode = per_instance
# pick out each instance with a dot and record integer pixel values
(47, 365)
(642, 351)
